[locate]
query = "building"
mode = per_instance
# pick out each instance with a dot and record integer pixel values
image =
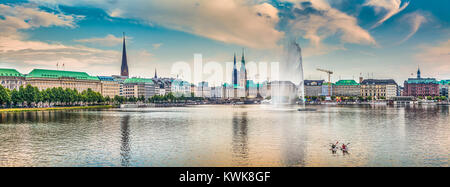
(421, 86)
(11, 79)
(138, 87)
(43, 79)
(110, 87)
(283, 92)
(203, 90)
(254, 89)
(444, 87)
(180, 88)
(124, 68)
(346, 88)
(120, 79)
(313, 87)
(379, 88)
(243, 76)
(327, 89)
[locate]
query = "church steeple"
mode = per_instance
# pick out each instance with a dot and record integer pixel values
(124, 68)
(235, 72)
(418, 72)
(243, 58)
(156, 75)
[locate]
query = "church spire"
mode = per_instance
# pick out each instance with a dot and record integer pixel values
(156, 76)
(243, 58)
(124, 68)
(418, 72)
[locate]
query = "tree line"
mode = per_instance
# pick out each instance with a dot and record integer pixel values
(30, 96)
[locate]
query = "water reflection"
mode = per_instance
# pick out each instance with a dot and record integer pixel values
(240, 138)
(232, 136)
(125, 141)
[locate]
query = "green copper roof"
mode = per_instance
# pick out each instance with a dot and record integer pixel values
(10, 72)
(444, 82)
(138, 80)
(422, 81)
(252, 84)
(44, 73)
(346, 83)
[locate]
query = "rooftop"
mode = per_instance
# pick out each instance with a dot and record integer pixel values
(422, 81)
(346, 83)
(378, 81)
(45, 73)
(138, 80)
(106, 78)
(314, 82)
(10, 72)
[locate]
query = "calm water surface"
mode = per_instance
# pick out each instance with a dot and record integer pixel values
(227, 136)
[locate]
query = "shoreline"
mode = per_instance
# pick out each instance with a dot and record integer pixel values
(53, 108)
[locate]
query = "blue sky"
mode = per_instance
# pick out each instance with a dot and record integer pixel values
(374, 38)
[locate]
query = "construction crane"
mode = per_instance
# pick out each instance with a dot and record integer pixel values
(329, 79)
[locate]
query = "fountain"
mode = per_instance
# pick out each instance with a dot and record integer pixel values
(291, 90)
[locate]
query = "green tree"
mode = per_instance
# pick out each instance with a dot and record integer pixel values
(16, 98)
(5, 98)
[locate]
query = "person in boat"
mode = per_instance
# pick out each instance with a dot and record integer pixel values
(334, 147)
(344, 147)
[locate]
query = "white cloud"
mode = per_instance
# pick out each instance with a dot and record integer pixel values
(437, 56)
(21, 17)
(390, 8)
(324, 22)
(18, 52)
(109, 40)
(243, 22)
(415, 20)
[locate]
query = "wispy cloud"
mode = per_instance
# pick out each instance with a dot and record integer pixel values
(388, 7)
(415, 20)
(109, 40)
(157, 46)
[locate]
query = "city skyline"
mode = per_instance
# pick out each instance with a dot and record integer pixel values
(385, 39)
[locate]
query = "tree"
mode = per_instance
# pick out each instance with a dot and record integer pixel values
(5, 98)
(16, 98)
(429, 98)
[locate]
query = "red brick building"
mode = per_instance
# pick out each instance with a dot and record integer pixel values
(421, 86)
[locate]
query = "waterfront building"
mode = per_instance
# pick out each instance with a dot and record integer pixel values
(120, 79)
(378, 88)
(217, 92)
(254, 89)
(346, 88)
(327, 87)
(444, 87)
(313, 87)
(180, 88)
(43, 79)
(11, 79)
(124, 68)
(421, 86)
(138, 87)
(203, 90)
(110, 87)
(228, 91)
(283, 91)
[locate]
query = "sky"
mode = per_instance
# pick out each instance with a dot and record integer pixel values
(353, 38)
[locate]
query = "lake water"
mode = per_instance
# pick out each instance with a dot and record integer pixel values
(256, 135)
